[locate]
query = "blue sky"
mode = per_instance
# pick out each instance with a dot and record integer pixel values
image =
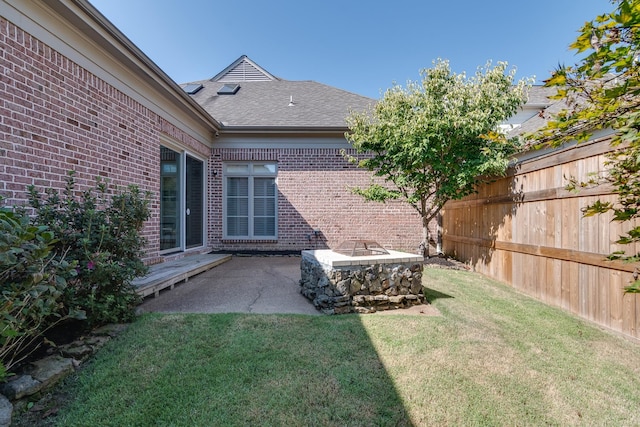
(360, 46)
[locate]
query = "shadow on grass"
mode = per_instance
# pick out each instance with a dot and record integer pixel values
(238, 369)
(431, 295)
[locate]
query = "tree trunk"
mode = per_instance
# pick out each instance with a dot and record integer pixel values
(425, 238)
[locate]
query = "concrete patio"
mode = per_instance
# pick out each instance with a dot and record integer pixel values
(238, 284)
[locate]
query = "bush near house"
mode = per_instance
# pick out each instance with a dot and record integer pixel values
(100, 230)
(33, 279)
(74, 259)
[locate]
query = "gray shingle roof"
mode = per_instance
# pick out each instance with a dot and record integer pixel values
(539, 96)
(266, 104)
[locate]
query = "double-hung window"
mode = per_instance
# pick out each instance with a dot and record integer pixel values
(250, 201)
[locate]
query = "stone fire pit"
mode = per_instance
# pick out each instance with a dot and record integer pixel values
(338, 283)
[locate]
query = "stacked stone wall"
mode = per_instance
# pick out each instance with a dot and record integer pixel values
(361, 289)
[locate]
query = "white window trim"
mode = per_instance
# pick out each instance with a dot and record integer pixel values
(250, 174)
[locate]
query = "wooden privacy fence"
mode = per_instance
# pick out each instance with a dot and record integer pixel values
(528, 231)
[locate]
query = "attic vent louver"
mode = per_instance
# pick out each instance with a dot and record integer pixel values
(192, 88)
(228, 89)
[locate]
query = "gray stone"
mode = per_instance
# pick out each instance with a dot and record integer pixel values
(6, 411)
(375, 286)
(344, 287)
(110, 330)
(392, 291)
(97, 342)
(77, 351)
(20, 386)
(416, 287)
(355, 286)
(396, 299)
(51, 369)
(321, 301)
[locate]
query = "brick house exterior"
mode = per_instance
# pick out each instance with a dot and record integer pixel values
(76, 94)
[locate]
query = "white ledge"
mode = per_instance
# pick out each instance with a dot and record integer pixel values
(334, 259)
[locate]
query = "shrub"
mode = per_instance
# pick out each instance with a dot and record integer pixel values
(99, 229)
(32, 281)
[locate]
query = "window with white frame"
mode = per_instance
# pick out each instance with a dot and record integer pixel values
(250, 201)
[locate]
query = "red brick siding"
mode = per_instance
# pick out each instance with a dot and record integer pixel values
(56, 116)
(314, 194)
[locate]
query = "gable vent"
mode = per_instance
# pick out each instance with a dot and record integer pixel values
(244, 71)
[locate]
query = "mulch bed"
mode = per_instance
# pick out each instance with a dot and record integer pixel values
(445, 262)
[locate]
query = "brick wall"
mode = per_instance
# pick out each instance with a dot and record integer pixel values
(56, 116)
(314, 194)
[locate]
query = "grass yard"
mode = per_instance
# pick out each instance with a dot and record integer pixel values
(494, 357)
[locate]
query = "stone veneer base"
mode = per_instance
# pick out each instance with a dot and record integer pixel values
(338, 283)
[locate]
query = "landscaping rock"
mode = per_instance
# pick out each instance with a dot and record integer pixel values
(6, 412)
(41, 375)
(78, 351)
(110, 330)
(51, 369)
(20, 386)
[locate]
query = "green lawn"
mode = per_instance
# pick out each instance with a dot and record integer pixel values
(494, 357)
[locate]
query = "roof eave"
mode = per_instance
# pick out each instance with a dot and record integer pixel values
(283, 129)
(163, 83)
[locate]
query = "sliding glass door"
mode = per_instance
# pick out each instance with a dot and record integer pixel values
(181, 201)
(194, 201)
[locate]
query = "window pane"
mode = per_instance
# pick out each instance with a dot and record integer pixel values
(238, 187)
(264, 187)
(237, 226)
(237, 206)
(264, 227)
(264, 207)
(170, 196)
(237, 169)
(264, 169)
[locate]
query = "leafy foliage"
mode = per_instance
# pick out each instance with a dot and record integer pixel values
(435, 140)
(100, 229)
(32, 281)
(603, 92)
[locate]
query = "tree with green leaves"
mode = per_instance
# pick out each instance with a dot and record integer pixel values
(603, 92)
(437, 139)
